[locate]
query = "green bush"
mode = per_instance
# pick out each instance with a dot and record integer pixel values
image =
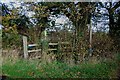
(11, 39)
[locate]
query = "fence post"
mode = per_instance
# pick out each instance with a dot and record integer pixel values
(25, 47)
(90, 46)
(0, 43)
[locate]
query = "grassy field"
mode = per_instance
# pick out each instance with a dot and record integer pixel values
(20, 68)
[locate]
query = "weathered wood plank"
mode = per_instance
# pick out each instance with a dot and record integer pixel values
(32, 45)
(29, 51)
(53, 43)
(64, 43)
(25, 47)
(52, 49)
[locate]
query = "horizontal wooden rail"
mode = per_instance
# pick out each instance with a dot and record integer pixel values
(34, 50)
(53, 43)
(52, 49)
(64, 43)
(32, 45)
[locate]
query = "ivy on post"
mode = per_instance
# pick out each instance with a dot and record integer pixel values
(44, 46)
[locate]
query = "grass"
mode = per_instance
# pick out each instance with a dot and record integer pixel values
(21, 68)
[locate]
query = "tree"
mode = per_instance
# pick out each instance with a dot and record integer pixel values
(111, 8)
(113, 14)
(14, 21)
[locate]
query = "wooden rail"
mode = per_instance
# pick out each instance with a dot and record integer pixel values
(52, 46)
(53, 43)
(26, 47)
(32, 45)
(34, 50)
(52, 49)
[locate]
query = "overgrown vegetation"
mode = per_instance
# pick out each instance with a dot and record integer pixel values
(83, 32)
(11, 40)
(34, 69)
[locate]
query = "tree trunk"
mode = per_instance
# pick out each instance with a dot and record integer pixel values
(114, 29)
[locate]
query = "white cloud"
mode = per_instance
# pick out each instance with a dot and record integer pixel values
(1, 26)
(62, 20)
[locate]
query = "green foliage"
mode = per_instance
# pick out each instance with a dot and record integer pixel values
(114, 18)
(118, 57)
(20, 68)
(103, 45)
(10, 40)
(34, 69)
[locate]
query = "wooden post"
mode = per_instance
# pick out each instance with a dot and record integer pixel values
(1, 59)
(0, 43)
(90, 45)
(44, 47)
(25, 47)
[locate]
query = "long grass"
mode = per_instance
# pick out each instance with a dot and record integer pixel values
(21, 68)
